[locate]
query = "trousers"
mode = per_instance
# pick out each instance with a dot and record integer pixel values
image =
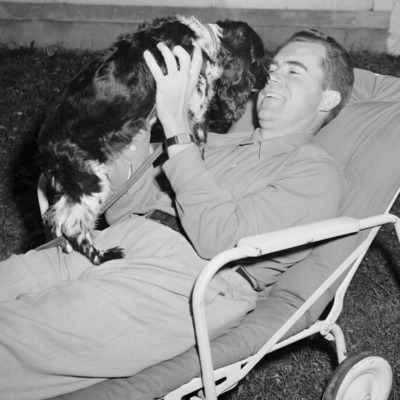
(66, 324)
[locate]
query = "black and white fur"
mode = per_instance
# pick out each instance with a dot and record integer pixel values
(113, 98)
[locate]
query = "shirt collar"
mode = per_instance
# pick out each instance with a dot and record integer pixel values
(282, 143)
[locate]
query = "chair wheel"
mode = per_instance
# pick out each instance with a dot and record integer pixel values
(362, 376)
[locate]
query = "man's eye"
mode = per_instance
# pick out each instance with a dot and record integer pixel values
(293, 72)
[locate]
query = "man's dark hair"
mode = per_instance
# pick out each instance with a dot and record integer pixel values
(337, 67)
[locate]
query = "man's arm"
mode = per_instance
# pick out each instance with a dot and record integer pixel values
(307, 190)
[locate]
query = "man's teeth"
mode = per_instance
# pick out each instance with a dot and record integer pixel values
(274, 96)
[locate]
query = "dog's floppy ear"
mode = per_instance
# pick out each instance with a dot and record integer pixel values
(260, 73)
(234, 87)
(242, 70)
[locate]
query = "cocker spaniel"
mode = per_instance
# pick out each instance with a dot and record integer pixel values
(113, 98)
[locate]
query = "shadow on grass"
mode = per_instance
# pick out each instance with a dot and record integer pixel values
(298, 371)
(392, 257)
(24, 174)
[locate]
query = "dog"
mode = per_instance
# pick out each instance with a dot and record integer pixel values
(113, 98)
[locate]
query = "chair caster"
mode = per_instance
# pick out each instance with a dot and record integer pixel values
(362, 376)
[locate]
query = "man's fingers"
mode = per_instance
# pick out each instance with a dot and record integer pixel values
(153, 66)
(183, 57)
(186, 64)
(169, 58)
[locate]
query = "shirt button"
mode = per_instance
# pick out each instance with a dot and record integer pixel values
(233, 165)
(132, 147)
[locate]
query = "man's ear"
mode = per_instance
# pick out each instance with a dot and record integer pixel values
(330, 99)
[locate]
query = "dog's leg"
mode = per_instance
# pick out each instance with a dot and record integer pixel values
(75, 220)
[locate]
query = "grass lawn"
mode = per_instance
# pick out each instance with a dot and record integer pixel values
(30, 82)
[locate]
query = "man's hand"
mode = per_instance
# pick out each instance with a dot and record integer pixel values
(175, 89)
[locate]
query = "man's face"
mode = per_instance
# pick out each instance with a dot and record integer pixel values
(291, 101)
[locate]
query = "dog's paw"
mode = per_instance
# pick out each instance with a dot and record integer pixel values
(114, 253)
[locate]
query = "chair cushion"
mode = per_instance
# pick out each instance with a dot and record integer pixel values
(365, 140)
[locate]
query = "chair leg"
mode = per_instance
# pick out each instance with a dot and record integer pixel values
(336, 334)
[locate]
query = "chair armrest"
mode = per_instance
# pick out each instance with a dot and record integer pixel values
(271, 242)
(283, 239)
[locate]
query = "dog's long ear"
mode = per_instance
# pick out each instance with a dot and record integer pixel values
(240, 61)
(260, 73)
(234, 87)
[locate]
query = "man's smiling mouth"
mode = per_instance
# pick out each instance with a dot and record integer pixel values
(274, 96)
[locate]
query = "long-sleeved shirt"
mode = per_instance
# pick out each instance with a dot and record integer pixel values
(245, 185)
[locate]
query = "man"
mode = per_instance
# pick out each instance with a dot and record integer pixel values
(66, 324)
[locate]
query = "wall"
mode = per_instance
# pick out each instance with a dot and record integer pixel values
(93, 24)
(263, 4)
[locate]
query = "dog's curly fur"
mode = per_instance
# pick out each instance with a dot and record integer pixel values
(114, 97)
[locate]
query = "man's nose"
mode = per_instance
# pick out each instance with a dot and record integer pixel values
(274, 77)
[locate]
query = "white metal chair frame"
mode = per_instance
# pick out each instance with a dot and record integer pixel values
(269, 243)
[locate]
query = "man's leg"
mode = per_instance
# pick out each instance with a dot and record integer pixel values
(36, 271)
(115, 319)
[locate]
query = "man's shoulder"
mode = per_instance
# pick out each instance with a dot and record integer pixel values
(313, 158)
(312, 150)
(327, 175)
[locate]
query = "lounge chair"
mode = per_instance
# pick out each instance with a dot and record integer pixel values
(365, 140)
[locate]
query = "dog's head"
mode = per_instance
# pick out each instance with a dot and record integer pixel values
(241, 60)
